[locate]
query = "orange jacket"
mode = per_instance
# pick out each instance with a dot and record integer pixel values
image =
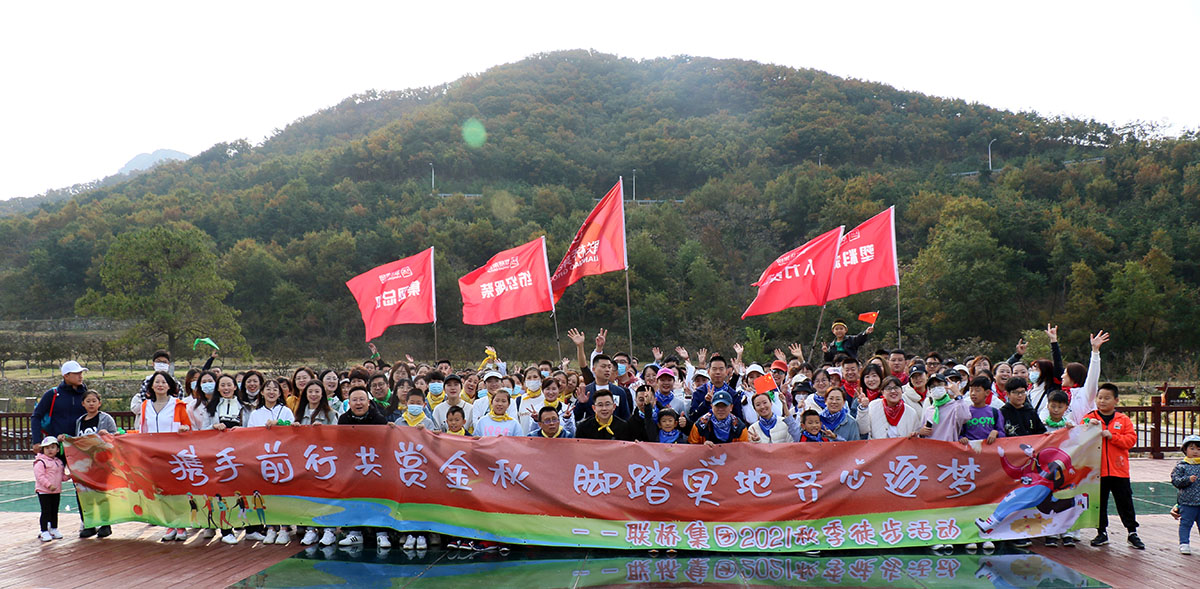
(1114, 451)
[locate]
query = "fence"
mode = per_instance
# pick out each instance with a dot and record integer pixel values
(16, 439)
(1161, 428)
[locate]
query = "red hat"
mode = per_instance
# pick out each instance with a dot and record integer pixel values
(779, 365)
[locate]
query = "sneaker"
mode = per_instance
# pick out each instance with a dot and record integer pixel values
(104, 531)
(1185, 549)
(255, 537)
(382, 540)
(485, 547)
(310, 537)
(351, 539)
(972, 548)
(1100, 540)
(1023, 543)
(452, 545)
(87, 532)
(181, 535)
(985, 525)
(328, 538)
(1068, 541)
(45, 537)
(230, 538)
(1136, 542)
(167, 537)
(467, 545)
(989, 547)
(1051, 541)
(421, 544)
(410, 543)
(282, 537)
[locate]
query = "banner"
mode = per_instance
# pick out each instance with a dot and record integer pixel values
(513, 283)
(598, 494)
(867, 257)
(599, 246)
(798, 278)
(396, 293)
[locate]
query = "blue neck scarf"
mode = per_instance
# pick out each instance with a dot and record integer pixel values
(832, 421)
(722, 427)
(668, 437)
(810, 437)
(663, 400)
(766, 424)
(820, 401)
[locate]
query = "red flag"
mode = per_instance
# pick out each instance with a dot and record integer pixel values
(867, 257)
(869, 317)
(396, 293)
(599, 246)
(798, 278)
(513, 283)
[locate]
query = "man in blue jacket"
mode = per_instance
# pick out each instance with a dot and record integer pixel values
(60, 407)
(602, 368)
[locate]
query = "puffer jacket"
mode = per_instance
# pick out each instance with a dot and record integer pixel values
(1189, 492)
(48, 474)
(1114, 452)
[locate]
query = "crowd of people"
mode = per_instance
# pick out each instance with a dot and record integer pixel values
(840, 395)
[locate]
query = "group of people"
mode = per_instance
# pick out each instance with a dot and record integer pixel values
(675, 399)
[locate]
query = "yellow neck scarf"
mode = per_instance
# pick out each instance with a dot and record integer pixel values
(605, 427)
(412, 420)
(555, 404)
(495, 417)
(461, 432)
(531, 394)
(435, 401)
(556, 434)
(1192, 460)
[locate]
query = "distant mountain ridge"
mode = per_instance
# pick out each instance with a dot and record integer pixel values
(145, 161)
(140, 163)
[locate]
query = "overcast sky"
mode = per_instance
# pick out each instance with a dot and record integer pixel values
(89, 85)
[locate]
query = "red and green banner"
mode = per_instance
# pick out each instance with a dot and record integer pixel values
(596, 494)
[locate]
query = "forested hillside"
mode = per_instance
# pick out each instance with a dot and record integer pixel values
(1081, 224)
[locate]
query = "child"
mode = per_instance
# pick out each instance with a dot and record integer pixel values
(414, 413)
(1118, 436)
(814, 429)
(456, 420)
(437, 388)
(945, 409)
(1019, 418)
(666, 430)
(1184, 478)
(48, 475)
(985, 423)
(1059, 417)
(498, 421)
(92, 422)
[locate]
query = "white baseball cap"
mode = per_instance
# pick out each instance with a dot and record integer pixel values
(71, 367)
(48, 441)
(491, 374)
(755, 368)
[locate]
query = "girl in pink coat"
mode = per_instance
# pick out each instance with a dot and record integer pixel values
(48, 474)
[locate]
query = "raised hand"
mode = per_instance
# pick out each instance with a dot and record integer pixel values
(600, 339)
(738, 349)
(374, 350)
(1098, 340)
(824, 346)
(796, 351)
(1022, 345)
(576, 336)
(682, 421)
(779, 355)
(565, 363)
(701, 355)
(682, 353)
(410, 359)
(753, 436)
(658, 355)
(870, 329)
(1052, 333)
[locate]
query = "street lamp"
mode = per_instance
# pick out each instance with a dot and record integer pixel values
(990, 154)
(432, 178)
(635, 185)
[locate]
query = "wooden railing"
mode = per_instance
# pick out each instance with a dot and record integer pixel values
(1161, 428)
(17, 442)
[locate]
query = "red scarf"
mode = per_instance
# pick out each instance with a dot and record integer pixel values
(893, 414)
(851, 389)
(871, 395)
(998, 392)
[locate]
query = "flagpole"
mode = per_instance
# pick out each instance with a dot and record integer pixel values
(435, 346)
(557, 337)
(899, 338)
(629, 312)
(817, 333)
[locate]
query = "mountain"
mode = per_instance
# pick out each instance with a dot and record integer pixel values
(145, 161)
(1082, 223)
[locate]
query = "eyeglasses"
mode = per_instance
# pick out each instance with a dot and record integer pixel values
(891, 387)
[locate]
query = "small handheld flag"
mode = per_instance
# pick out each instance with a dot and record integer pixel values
(869, 317)
(205, 340)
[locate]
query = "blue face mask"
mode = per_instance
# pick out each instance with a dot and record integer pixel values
(415, 410)
(517, 390)
(435, 387)
(208, 387)
(481, 393)
(545, 374)
(621, 368)
(1033, 376)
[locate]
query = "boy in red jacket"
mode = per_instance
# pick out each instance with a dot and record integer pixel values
(1117, 437)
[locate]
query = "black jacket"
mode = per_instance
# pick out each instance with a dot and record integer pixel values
(623, 430)
(1021, 422)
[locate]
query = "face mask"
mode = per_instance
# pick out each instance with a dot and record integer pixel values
(621, 368)
(193, 385)
(208, 387)
(436, 387)
(937, 392)
(1033, 376)
(415, 410)
(533, 385)
(545, 374)
(481, 393)
(517, 389)
(162, 367)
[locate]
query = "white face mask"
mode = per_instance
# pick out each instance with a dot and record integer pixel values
(162, 367)
(533, 385)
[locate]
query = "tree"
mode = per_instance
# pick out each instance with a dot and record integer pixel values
(166, 279)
